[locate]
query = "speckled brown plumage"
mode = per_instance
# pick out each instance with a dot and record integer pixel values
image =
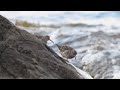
(67, 52)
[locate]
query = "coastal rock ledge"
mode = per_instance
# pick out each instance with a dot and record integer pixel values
(24, 56)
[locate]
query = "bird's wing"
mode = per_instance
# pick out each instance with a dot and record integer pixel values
(68, 54)
(65, 53)
(67, 48)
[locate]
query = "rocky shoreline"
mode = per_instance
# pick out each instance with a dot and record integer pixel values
(23, 56)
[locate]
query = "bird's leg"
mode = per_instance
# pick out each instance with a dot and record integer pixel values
(75, 57)
(66, 59)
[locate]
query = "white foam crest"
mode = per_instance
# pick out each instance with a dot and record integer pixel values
(116, 73)
(83, 73)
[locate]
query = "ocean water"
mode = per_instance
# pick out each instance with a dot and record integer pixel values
(95, 35)
(57, 17)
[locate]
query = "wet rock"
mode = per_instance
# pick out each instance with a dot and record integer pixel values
(23, 56)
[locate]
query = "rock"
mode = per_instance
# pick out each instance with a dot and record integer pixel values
(23, 56)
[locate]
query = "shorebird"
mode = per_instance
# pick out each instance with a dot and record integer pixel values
(67, 52)
(45, 38)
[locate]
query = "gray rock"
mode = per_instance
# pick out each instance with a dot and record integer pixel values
(23, 56)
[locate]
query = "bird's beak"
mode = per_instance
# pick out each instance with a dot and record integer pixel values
(51, 40)
(57, 45)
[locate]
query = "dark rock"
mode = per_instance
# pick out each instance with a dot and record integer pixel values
(23, 56)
